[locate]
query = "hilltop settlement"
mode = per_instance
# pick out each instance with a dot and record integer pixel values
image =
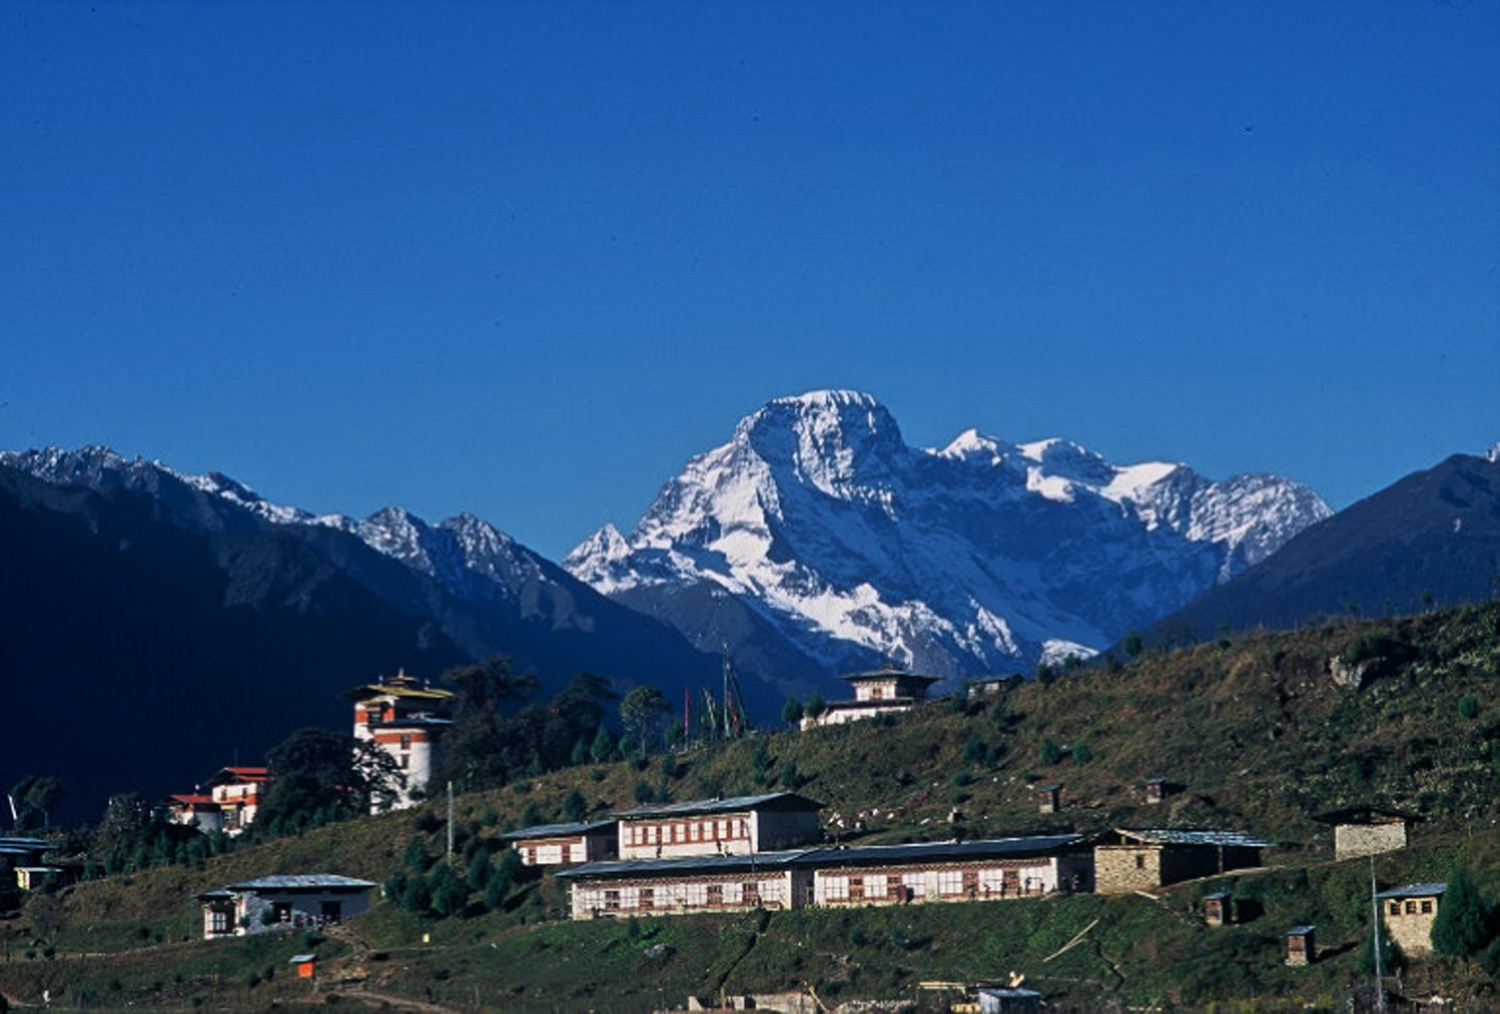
(1002, 847)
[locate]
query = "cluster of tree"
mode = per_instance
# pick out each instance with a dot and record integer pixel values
(437, 887)
(132, 835)
(500, 735)
(317, 777)
(33, 799)
(1467, 924)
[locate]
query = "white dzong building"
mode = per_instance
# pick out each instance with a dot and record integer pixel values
(406, 720)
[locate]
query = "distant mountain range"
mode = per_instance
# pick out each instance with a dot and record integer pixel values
(156, 625)
(1430, 539)
(817, 540)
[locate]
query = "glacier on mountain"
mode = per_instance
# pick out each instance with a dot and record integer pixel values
(978, 557)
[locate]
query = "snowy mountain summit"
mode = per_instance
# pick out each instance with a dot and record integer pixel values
(983, 556)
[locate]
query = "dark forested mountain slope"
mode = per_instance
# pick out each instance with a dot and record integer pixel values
(1432, 538)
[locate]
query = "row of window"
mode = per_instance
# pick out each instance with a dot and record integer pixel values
(748, 894)
(1411, 907)
(950, 884)
(685, 831)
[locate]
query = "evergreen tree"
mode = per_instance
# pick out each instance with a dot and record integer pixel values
(604, 749)
(643, 712)
(791, 711)
(1465, 921)
(575, 807)
(479, 871)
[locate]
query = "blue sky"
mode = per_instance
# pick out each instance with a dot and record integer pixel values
(525, 259)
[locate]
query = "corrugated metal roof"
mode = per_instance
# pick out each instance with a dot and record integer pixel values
(733, 804)
(23, 843)
(937, 851)
(688, 865)
(1416, 890)
(833, 858)
(556, 830)
(1300, 931)
(299, 881)
(1175, 836)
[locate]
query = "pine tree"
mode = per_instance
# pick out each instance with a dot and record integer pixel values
(1465, 921)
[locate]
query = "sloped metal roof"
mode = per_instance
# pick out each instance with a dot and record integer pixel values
(1416, 890)
(302, 882)
(689, 865)
(939, 851)
(1175, 836)
(734, 804)
(557, 830)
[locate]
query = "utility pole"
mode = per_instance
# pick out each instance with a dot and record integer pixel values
(1375, 927)
(450, 821)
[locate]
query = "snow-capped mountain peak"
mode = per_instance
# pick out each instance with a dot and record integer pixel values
(979, 556)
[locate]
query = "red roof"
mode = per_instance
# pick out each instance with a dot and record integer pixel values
(189, 799)
(238, 775)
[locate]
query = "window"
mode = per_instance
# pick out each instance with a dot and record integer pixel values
(836, 888)
(1140, 861)
(715, 894)
(281, 911)
(406, 742)
(971, 883)
(218, 920)
(1411, 908)
(648, 899)
(1426, 906)
(1395, 908)
(332, 913)
(611, 901)
(750, 893)
(405, 761)
(950, 883)
(856, 889)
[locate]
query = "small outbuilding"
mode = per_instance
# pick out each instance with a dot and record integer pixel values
(1301, 948)
(1014, 1000)
(1216, 908)
(1049, 799)
(1158, 789)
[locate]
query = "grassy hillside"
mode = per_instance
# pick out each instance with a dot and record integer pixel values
(1256, 729)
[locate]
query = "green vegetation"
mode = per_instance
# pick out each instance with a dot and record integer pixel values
(1256, 730)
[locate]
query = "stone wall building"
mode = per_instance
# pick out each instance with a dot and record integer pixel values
(1366, 830)
(1127, 861)
(1408, 913)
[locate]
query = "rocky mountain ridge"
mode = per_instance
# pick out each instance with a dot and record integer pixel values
(980, 556)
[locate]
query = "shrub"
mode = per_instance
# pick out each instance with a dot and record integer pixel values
(1049, 752)
(1468, 706)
